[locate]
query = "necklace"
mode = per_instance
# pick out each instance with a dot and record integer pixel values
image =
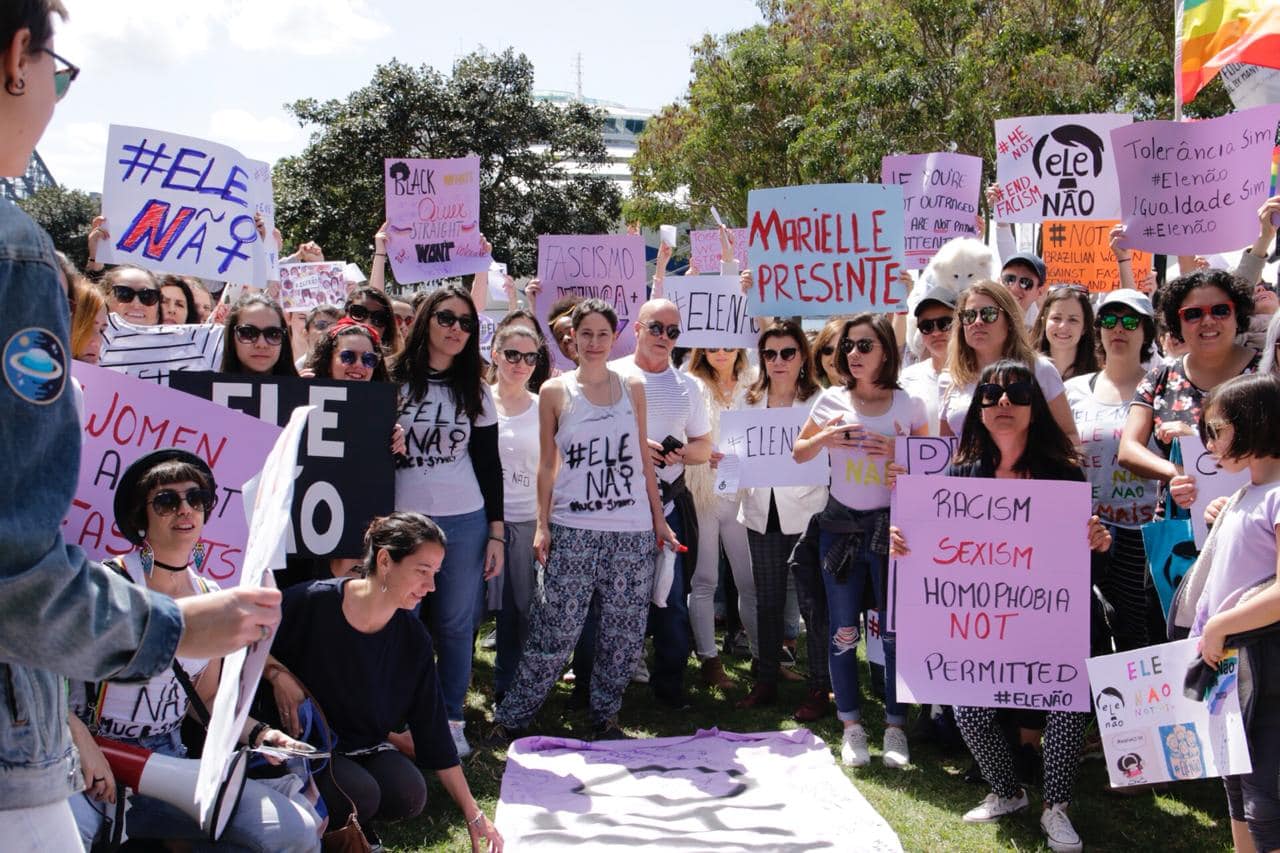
(168, 567)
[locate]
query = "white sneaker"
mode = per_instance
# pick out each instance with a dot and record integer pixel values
(853, 747)
(456, 728)
(641, 675)
(1058, 829)
(897, 754)
(995, 806)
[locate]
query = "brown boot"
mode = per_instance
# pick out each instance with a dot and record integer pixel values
(815, 707)
(760, 695)
(713, 674)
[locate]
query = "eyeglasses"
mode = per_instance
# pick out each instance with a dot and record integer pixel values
(1074, 288)
(940, 324)
(514, 356)
(367, 359)
(656, 329)
(448, 318)
(247, 334)
(1195, 313)
(322, 324)
(1128, 321)
(125, 295)
(988, 314)
(989, 394)
(1009, 280)
(361, 314)
(828, 350)
(404, 321)
(862, 345)
(786, 353)
(62, 77)
(167, 501)
(715, 350)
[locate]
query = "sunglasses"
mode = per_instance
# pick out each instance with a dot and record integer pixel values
(514, 356)
(167, 501)
(1009, 280)
(448, 318)
(1128, 321)
(989, 394)
(862, 345)
(988, 314)
(247, 334)
(939, 324)
(62, 77)
(1195, 313)
(786, 353)
(1074, 288)
(322, 324)
(367, 359)
(711, 350)
(656, 329)
(125, 295)
(404, 321)
(827, 351)
(1212, 429)
(360, 314)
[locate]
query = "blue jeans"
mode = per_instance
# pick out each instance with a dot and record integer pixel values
(453, 612)
(845, 606)
(672, 633)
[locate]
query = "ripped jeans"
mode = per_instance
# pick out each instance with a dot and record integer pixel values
(845, 605)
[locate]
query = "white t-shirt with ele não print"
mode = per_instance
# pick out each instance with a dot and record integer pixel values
(857, 480)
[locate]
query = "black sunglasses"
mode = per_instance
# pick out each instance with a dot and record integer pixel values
(1009, 280)
(656, 329)
(1074, 288)
(349, 356)
(167, 501)
(827, 350)
(862, 345)
(360, 314)
(989, 394)
(1109, 321)
(786, 353)
(448, 318)
(514, 356)
(941, 324)
(988, 314)
(124, 295)
(247, 334)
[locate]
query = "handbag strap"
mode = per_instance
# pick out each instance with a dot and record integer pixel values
(331, 747)
(197, 704)
(1172, 510)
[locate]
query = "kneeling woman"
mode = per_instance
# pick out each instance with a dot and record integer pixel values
(355, 642)
(162, 503)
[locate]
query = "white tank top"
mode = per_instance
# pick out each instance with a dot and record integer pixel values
(601, 481)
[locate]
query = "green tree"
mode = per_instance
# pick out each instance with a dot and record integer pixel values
(333, 191)
(66, 215)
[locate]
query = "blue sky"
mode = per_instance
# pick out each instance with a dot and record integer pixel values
(223, 69)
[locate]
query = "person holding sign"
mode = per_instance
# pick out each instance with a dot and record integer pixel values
(1010, 433)
(598, 511)
(256, 339)
(1064, 330)
(348, 350)
(857, 422)
(453, 474)
(133, 293)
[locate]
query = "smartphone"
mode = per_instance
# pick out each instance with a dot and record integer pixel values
(669, 444)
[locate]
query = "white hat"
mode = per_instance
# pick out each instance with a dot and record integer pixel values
(1129, 298)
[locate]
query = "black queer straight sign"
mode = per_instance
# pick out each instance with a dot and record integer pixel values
(346, 473)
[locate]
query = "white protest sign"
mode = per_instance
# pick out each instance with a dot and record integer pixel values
(152, 352)
(761, 441)
(713, 311)
(1251, 85)
(1211, 481)
(667, 233)
(497, 282)
(1151, 732)
(186, 206)
(304, 286)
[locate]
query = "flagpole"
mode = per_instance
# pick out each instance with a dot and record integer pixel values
(1177, 60)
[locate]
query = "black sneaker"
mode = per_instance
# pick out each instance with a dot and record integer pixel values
(608, 730)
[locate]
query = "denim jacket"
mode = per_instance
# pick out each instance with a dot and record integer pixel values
(61, 616)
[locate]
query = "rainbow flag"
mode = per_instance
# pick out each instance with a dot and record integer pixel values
(1212, 33)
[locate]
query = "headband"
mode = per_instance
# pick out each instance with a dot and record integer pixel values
(348, 323)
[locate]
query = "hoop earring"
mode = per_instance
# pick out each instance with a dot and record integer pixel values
(147, 556)
(16, 88)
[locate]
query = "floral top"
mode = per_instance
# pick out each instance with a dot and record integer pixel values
(1172, 397)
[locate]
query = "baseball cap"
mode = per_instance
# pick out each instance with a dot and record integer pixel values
(1130, 298)
(938, 295)
(1027, 259)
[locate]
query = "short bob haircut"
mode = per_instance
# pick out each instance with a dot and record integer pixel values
(1239, 291)
(1086, 360)
(284, 365)
(586, 307)
(1247, 402)
(399, 534)
(1048, 452)
(391, 340)
(882, 328)
(1148, 327)
(806, 385)
(320, 361)
(164, 474)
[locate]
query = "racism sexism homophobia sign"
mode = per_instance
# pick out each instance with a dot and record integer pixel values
(992, 603)
(826, 249)
(594, 266)
(186, 206)
(433, 218)
(940, 199)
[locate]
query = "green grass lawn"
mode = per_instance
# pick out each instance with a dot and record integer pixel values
(923, 803)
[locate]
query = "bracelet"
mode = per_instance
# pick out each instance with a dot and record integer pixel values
(1123, 260)
(475, 821)
(501, 539)
(379, 254)
(260, 728)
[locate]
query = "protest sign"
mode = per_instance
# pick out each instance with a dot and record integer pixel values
(1250, 85)
(1211, 481)
(704, 249)
(713, 311)
(1195, 187)
(433, 218)
(152, 353)
(488, 328)
(124, 419)
(992, 603)
(874, 637)
(347, 474)
(186, 206)
(939, 201)
(1080, 253)
(761, 440)
(1151, 732)
(826, 249)
(1056, 167)
(610, 267)
(925, 454)
(304, 286)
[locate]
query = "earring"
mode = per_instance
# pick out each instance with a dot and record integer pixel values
(147, 556)
(197, 555)
(16, 88)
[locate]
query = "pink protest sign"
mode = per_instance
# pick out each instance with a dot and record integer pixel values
(704, 249)
(594, 266)
(939, 199)
(433, 218)
(1056, 167)
(125, 418)
(1195, 187)
(993, 600)
(304, 286)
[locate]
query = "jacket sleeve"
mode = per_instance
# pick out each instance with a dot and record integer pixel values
(62, 613)
(487, 464)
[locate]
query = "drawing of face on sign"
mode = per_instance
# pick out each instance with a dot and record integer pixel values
(1130, 765)
(1110, 706)
(1072, 154)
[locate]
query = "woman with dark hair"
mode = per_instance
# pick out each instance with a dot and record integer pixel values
(1064, 330)
(256, 339)
(857, 423)
(824, 352)
(201, 299)
(356, 645)
(348, 350)
(133, 293)
(177, 301)
(1010, 432)
(373, 307)
(318, 321)
(453, 474)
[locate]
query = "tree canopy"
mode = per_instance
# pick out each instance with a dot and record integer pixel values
(67, 215)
